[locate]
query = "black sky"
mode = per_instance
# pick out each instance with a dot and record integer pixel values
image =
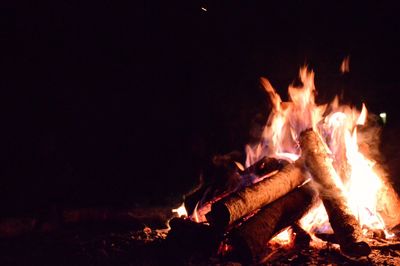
(123, 103)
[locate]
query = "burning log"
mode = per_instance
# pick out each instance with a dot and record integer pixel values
(225, 176)
(389, 204)
(250, 238)
(302, 238)
(345, 225)
(264, 166)
(249, 199)
(220, 175)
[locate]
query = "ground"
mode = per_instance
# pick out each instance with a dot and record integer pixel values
(111, 244)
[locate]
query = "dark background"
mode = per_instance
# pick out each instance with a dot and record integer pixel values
(124, 103)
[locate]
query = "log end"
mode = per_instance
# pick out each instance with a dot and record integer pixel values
(190, 237)
(219, 216)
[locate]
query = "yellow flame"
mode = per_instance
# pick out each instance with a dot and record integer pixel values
(363, 116)
(338, 130)
(283, 238)
(195, 215)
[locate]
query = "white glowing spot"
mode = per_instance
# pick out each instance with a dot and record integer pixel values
(204, 9)
(284, 237)
(383, 116)
(181, 211)
(363, 116)
(239, 165)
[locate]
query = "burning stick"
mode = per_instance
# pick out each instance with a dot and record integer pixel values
(250, 238)
(344, 224)
(251, 198)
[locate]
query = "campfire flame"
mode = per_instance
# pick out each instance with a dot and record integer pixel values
(342, 130)
(345, 66)
(181, 211)
(337, 126)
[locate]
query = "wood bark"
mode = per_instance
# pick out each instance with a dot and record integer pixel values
(249, 199)
(230, 178)
(344, 224)
(251, 237)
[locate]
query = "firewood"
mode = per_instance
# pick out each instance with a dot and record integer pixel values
(220, 175)
(251, 237)
(249, 199)
(190, 237)
(224, 176)
(389, 203)
(302, 238)
(344, 224)
(264, 166)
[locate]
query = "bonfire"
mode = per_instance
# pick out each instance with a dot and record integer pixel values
(312, 179)
(309, 191)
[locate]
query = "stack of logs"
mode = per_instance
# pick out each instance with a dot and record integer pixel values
(250, 216)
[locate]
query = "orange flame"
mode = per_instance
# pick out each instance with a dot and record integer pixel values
(338, 128)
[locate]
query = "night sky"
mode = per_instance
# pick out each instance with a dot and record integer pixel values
(121, 104)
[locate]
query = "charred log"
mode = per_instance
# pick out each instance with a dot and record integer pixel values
(264, 166)
(344, 224)
(220, 174)
(251, 198)
(188, 237)
(250, 238)
(302, 238)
